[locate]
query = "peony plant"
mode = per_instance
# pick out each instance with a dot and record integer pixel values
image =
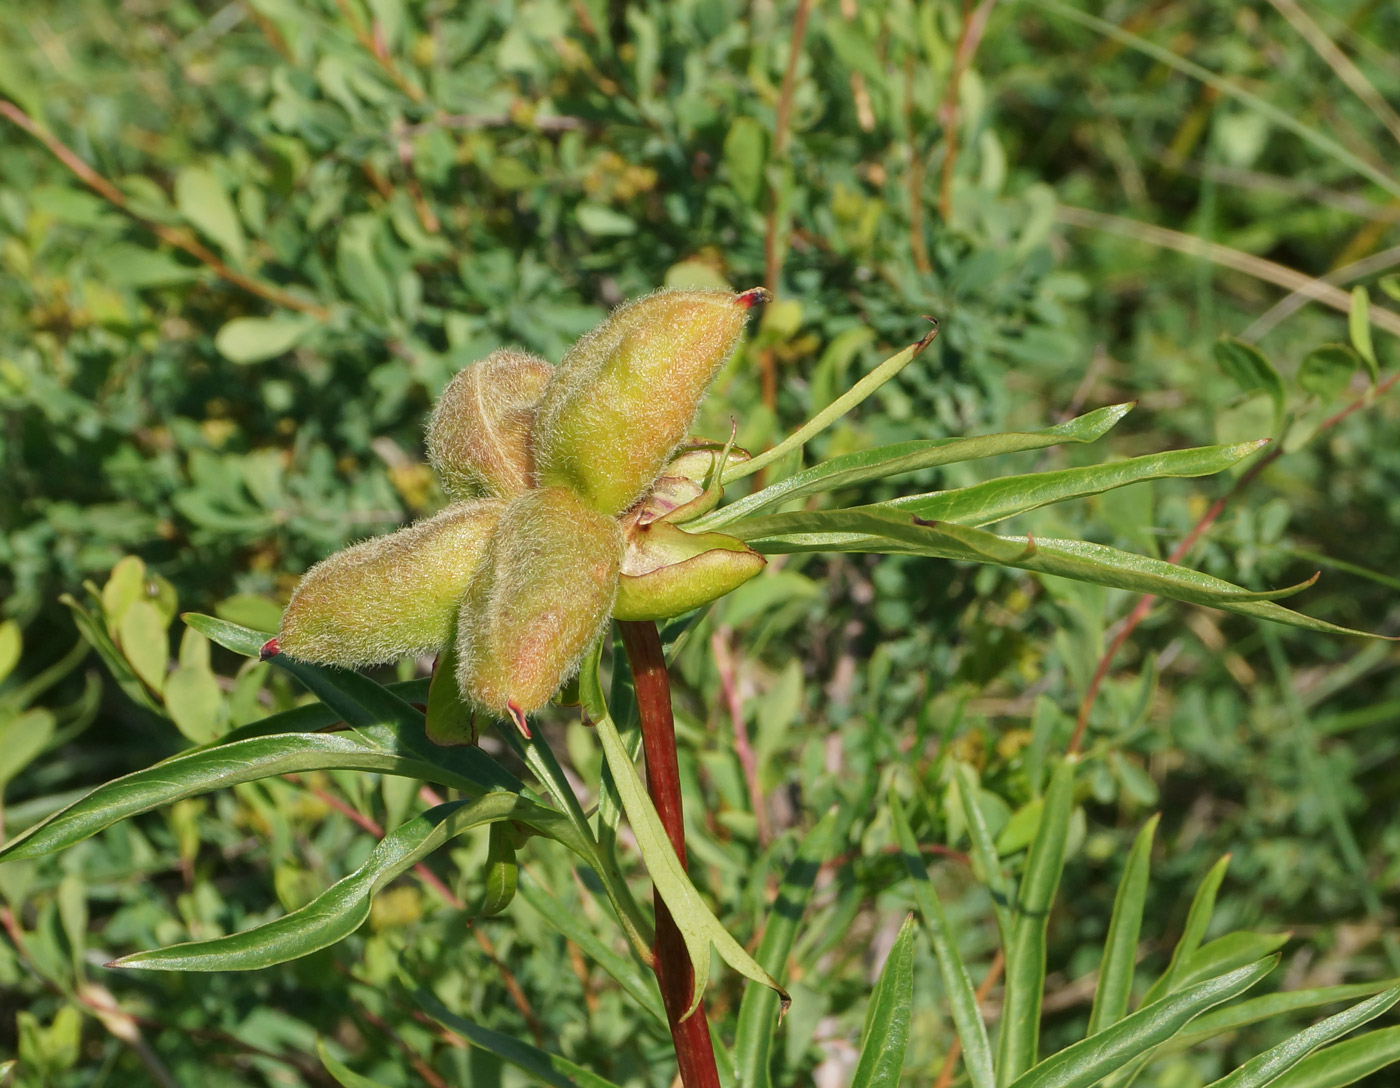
(576, 496)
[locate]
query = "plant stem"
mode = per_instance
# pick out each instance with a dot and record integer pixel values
(695, 1053)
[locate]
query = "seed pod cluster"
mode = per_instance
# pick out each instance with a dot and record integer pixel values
(546, 465)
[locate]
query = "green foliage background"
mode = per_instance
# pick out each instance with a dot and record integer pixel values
(408, 185)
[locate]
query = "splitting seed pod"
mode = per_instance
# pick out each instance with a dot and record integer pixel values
(391, 596)
(627, 393)
(479, 433)
(542, 594)
(667, 571)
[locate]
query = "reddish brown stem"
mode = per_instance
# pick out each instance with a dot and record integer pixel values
(694, 1052)
(974, 23)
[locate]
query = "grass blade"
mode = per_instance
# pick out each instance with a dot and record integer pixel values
(886, 1034)
(1266, 1067)
(1116, 971)
(1090, 1060)
(1025, 956)
(962, 997)
(753, 1038)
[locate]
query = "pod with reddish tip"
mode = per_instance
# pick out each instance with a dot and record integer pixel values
(391, 596)
(666, 571)
(627, 393)
(479, 433)
(543, 593)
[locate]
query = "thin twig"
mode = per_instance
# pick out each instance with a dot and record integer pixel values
(917, 242)
(1340, 63)
(181, 239)
(695, 1053)
(974, 25)
(1295, 300)
(950, 1061)
(728, 680)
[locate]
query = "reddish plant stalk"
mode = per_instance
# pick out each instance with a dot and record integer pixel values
(694, 1052)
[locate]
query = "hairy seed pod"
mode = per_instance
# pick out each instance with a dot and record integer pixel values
(479, 433)
(666, 571)
(627, 393)
(391, 596)
(541, 596)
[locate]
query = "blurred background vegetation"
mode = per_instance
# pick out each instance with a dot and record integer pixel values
(242, 247)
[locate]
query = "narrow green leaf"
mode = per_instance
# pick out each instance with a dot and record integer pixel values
(343, 1074)
(996, 500)
(1116, 971)
(1076, 559)
(884, 461)
(541, 1067)
(1258, 1009)
(341, 909)
(639, 985)
(1359, 327)
(1197, 920)
(95, 632)
(962, 996)
(753, 1038)
(832, 412)
(1226, 953)
(886, 1034)
(698, 925)
(1025, 956)
(1344, 1063)
(984, 849)
(1266, 1067)
(1134, 1037)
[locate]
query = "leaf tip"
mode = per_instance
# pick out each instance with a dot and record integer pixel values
(927, 338)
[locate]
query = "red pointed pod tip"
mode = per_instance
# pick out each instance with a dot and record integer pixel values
(518, 717)
(753, 296)
(269, 649)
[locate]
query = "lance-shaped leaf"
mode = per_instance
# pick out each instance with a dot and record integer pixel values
(997, 500)
(852, 469)
(886, 1034)
(390, 596)
(627, 393)
(699, 927)
(848, 531)
(544, 592)
(667, 571)
(1258, 1009)
(1090, 1060)
(341, 909)
(1264, 1068)
(479, 433)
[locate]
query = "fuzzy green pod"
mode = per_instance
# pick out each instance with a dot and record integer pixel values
(666, 571)
(541, 596)
(479, 433)
(391, 596)
(627, 393)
